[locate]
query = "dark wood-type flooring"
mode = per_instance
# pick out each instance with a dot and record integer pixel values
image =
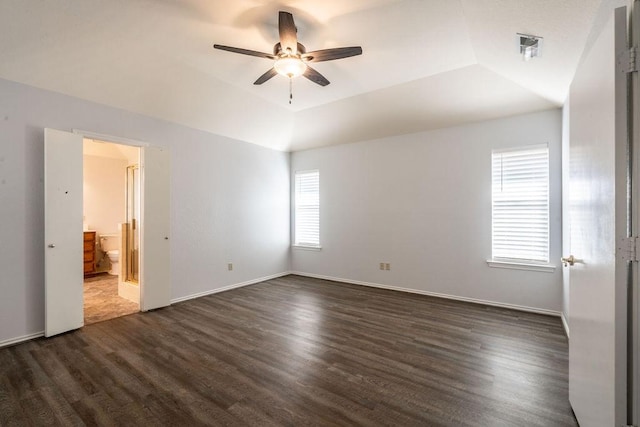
(101, 299)
(296, 351)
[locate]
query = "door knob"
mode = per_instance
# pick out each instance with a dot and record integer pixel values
(51, 245)
(567, 261)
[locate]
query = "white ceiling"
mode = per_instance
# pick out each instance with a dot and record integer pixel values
(426, 63)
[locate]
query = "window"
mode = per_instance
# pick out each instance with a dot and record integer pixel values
(307, 209)
(520, 205)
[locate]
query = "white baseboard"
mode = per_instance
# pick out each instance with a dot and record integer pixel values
(434, 294)
(23, 338)
(565, 324)
(229, 287)
(18, 340)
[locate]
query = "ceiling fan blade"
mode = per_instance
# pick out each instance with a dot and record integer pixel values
(288, 32)
(266, 76)
(331, 54)
(315, 77)
(244, 51)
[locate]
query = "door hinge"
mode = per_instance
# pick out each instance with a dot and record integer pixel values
(628, 60)
(628, 249)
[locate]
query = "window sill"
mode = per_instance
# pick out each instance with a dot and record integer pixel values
(307, 248)
(514, 265)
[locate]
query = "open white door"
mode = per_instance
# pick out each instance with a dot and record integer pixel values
(598, 219)
(155, 246)
(63, 232)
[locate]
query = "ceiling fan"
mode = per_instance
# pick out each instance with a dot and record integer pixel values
(291, 58)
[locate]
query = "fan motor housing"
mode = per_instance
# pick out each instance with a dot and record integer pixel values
(277, 49)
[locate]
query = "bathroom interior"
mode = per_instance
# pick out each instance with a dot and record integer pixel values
(111, 212)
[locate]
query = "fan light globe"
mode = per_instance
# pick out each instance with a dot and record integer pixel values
(290, 66)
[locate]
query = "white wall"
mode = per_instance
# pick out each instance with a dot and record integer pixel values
(422, 202)
(229, 201)
(104, 193)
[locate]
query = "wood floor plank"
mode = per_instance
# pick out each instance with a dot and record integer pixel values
(11, 412)
(62, 411)
(297, 351)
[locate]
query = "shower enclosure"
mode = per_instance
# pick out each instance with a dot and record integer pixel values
(131, 239)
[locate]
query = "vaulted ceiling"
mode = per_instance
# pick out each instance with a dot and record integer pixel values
(426, 63)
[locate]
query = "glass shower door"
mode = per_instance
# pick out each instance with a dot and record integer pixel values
(132, 240)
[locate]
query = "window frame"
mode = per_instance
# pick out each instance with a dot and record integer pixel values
(295, 241)
(516, 262)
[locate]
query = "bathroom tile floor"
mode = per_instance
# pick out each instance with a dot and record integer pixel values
(101, 299)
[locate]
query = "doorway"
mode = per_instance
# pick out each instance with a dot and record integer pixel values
(111, 224)
(63, 208)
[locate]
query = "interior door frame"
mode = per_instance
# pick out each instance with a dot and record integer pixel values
(142, 145)
(633, 333)
(623, 206)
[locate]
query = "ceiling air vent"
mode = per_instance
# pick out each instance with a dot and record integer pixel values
(530, 46)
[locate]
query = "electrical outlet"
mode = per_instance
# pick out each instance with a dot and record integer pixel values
(382, 266)
(230, 266)
(387, 266)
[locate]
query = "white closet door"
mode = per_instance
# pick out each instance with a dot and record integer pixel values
(63, 237)
(155, 248)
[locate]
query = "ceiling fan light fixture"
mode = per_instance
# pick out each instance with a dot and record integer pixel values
(290, 57)
(290, 66)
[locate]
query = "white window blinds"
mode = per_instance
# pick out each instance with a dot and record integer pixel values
(307, 208)
(520, 204)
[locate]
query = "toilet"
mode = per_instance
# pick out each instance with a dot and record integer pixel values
(114, 257)
(110, 244)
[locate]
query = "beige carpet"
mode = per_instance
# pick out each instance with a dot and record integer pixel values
(101, 300)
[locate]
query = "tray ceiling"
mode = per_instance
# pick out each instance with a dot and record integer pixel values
(426, 63)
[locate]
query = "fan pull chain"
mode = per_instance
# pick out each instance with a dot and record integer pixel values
(290, 90)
